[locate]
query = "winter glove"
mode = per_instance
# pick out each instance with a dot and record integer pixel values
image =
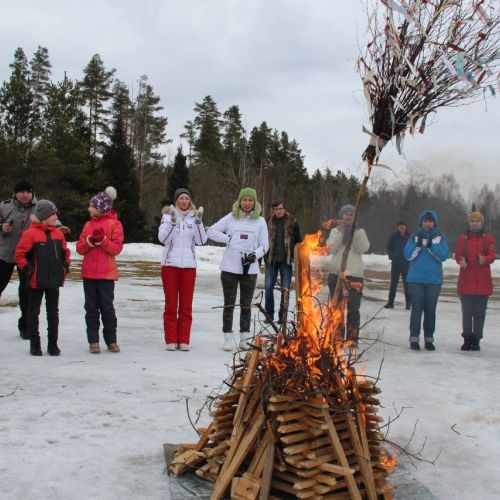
(90, 241)
(429, 242)
(418, 240)
(249, 258)
(28, 270)
(173, 215)
(198, 215)
(98, 236)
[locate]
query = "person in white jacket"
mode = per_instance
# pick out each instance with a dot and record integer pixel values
(245, 234)
(354, 270)
(181, 228)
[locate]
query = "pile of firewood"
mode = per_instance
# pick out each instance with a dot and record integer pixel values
(261, 444)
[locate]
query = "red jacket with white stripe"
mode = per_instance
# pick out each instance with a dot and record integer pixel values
(179, 241)
(99, 261)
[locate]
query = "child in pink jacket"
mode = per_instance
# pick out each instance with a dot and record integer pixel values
(100, 241)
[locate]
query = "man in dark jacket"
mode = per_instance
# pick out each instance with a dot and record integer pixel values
(14, 219)
(399, 265)
(284, 234)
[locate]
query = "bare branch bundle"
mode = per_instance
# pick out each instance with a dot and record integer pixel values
(424, 55)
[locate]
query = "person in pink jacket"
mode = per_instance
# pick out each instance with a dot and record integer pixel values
(180, 230)
(101, 240)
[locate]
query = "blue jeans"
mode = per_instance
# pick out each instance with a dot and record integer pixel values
(424, 300)
(285, 271)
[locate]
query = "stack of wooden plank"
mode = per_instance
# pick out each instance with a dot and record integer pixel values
(316, 446)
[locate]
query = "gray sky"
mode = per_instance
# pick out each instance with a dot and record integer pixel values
(289, 62)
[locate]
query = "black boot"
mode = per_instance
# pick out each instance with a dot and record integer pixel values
(467, 345)
(389, 305)
(429, 346)
(35, 347)
(475, 345)
(414, 346)
(408, 306)
(52, 348)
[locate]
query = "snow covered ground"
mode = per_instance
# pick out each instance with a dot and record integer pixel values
(84, 426)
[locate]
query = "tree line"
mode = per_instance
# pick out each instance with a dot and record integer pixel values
(72, 138)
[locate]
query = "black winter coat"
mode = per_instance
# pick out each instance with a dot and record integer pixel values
(395, 247)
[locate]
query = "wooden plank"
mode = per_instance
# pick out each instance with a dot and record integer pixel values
(267, 471)
(301, 436)
(337, 469)
(245, 487)
(340, 455)
(239, 449)
(252, 362)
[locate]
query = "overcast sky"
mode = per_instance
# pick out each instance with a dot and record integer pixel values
(288, 62)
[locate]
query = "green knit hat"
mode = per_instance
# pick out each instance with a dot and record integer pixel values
(250, 192)
(257, 209)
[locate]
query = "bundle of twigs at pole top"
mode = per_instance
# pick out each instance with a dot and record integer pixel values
(423, 55)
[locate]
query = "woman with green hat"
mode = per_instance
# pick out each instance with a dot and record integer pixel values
(245, 234)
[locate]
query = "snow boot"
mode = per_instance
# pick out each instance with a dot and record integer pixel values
(475, 345)
(429, 346)
(467, 345)
(389, 305)
(53, 349)
(228, 341)
(244, 340)
(94, 348)
(184, 347)
(408, 306)
(171, 347)
(35, 347)
(414, 346)
(113, 347)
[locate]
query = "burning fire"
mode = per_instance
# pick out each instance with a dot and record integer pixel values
(318, 338)
(388, 462)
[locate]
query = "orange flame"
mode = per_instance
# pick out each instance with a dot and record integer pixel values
(388, 462)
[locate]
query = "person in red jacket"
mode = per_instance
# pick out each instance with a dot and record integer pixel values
(100, 241)
(43, 257)
(474, 254)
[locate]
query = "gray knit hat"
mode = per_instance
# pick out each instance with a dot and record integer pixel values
(346, 209)
(180, 191)
(44, 209)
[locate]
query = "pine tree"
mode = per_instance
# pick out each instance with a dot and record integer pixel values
(118, 167)
(15, 101)
(148, 136)
(190, 136)
(96, 90)
(39, 82)
(234, 143)
(207, 123)
(178, 176)
(122, 109)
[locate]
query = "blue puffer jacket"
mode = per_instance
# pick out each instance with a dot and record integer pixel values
(426, 260)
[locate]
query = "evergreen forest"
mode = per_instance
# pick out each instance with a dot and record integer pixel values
(72, 138)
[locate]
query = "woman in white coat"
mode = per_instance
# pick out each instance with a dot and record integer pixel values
(181, 228)
(245, 234)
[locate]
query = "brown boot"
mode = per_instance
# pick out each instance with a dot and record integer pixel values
(94, 348)
(113, 347)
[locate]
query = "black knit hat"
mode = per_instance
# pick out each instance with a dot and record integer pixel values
(180, 191)
(23, 185)
(401, 223)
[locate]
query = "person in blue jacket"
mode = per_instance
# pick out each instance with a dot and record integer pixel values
(426, 250)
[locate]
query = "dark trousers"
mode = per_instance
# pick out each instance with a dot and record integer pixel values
(355, 292)
(99, 297)
(35, 296)
(424, 300)
(473, 315)
(6, 270)
(230, 283)
(397, 271)
(272, 270)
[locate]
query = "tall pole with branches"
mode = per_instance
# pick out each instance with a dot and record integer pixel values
(423, 55)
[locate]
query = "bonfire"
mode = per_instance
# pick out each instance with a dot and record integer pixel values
(297, 420)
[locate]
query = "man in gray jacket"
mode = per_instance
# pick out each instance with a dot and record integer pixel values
(14, 219)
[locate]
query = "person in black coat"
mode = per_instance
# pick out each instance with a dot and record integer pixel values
(399, 265)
